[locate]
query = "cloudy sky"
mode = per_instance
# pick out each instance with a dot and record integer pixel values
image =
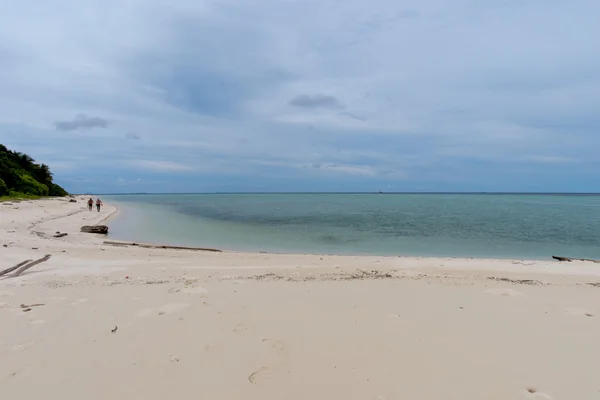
(304, 95)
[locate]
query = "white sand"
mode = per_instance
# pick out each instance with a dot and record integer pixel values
(194, 325)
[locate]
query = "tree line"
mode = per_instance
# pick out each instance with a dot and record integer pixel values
(21, 175)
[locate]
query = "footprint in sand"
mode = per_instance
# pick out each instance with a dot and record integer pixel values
(79, 301)
(194, 290)
(240, 328)
(532, 393)
(401, 319)
(277, 345)
(578, 312)
(260, 374)
(212, 347)
(504, 292)
(265, 371)
(22, 346)
(170, 308)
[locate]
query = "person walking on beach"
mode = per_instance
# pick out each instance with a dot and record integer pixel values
(90, 204)
(98, 204)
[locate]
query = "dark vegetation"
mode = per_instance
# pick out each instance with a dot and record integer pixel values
(21, 177)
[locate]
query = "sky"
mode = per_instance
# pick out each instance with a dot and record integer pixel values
(121, 96)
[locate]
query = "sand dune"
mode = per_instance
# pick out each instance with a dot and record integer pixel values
(135, 323)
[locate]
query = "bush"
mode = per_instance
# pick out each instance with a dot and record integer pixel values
(55, 190)
(3, 188)
(29, 185)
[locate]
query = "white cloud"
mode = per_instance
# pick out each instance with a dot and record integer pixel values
(160, 166)
(548, 159)
(363, 170)
(122, 182)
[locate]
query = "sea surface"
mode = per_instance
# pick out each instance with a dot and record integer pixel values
(524, 226)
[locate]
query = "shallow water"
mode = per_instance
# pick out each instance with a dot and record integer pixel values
(454, 225)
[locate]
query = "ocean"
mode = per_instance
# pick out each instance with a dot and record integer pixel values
(523, 226)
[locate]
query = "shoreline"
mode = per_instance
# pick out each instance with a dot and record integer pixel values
(159, 323)
(233, 249)
(70, 211)
(35, 232)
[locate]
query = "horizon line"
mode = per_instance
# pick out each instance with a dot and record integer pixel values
(376, 192)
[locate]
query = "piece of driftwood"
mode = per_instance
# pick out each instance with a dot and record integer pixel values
(31, 264)
(100, 229)
(59, 235)
(11, 269)
(569, 259)
(72, 201)
(159, 246)
(32, 305)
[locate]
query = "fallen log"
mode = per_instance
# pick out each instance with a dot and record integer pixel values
(100, 229)
(31, 264)
(11, 269)
(569, 259)
(159, 246)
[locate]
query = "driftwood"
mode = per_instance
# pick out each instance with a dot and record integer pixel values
(72, 201)
(159, 246)
(31, 264)
(101, 229)
(11, 269)
(569, 259)
(59, 235)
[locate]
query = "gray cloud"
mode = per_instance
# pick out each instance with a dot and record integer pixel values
(408, 14)
(133, 136)
(81, 121)
(315, 101)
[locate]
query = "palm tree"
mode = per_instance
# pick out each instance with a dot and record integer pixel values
(24, 160)
(43, 174)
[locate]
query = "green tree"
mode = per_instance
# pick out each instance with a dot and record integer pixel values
(21, 175)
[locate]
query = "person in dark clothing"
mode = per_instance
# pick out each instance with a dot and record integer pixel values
(98, 204)
(90, 204)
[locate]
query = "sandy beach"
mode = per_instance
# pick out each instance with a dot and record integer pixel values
(117, 322)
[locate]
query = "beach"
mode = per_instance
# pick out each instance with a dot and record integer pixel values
(126, 322)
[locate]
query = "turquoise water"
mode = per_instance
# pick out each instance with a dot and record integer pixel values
(454, 225)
